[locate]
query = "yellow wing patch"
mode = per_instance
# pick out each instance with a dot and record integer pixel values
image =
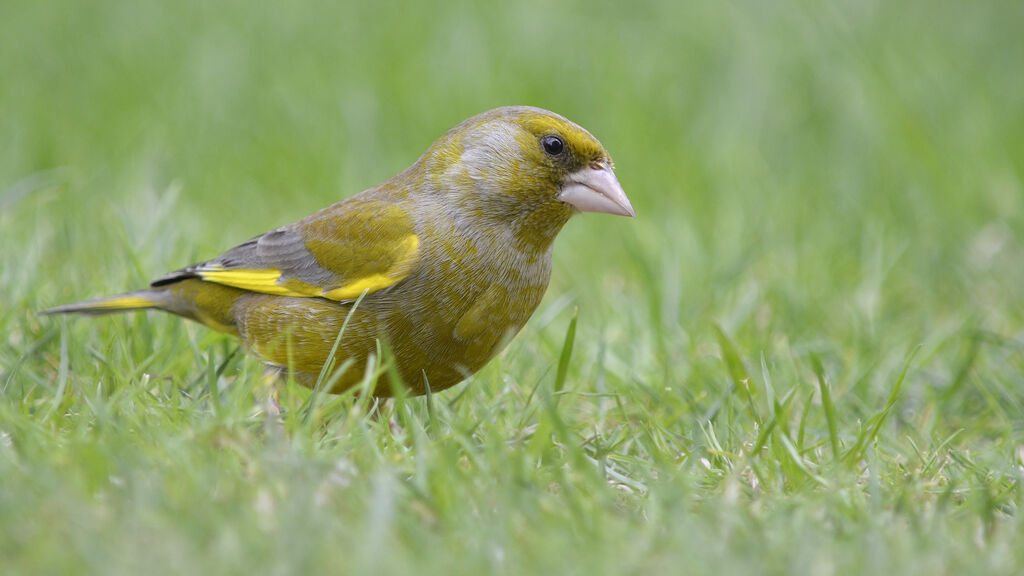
(406, 253)
(264, 281)
(270, 281)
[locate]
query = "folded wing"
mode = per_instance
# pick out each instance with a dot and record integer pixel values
(337, 253)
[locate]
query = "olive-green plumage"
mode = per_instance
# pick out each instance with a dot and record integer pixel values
(453, 256)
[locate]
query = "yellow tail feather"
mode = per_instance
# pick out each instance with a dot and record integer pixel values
(120, 303)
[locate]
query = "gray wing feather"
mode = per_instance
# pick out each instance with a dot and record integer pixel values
(281, 248)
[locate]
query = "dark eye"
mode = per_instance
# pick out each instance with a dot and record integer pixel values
(553, 145)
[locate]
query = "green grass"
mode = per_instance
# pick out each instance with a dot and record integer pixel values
(805, 356)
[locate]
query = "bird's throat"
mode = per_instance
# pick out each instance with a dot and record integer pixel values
(537, 228)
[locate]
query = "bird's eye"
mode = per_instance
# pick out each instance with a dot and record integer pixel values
(553, 145)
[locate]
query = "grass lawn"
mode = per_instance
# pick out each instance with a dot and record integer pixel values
(804, 356)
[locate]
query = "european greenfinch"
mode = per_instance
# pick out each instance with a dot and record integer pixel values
(444, 263)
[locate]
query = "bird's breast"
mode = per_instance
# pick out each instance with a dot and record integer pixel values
(472, 298)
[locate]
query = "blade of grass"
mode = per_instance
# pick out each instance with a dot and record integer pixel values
(327, 371)
(211, 381)
(875, 424)
(566, 355)
(827, 405)
(737, 371)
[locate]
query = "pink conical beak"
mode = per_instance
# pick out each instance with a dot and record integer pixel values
(596, 189)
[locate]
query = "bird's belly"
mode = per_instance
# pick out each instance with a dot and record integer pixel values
(437, 337)
(440, 350)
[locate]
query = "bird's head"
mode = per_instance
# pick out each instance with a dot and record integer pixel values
(527, 167)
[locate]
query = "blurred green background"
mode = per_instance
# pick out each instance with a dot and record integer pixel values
(824, 143)
(840, 181)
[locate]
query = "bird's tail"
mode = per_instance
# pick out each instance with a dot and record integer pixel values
(205, 302)
(140, 300)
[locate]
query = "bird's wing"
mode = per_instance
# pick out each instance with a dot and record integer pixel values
(338, 253)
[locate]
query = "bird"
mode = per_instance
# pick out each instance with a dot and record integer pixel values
(442, 264)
